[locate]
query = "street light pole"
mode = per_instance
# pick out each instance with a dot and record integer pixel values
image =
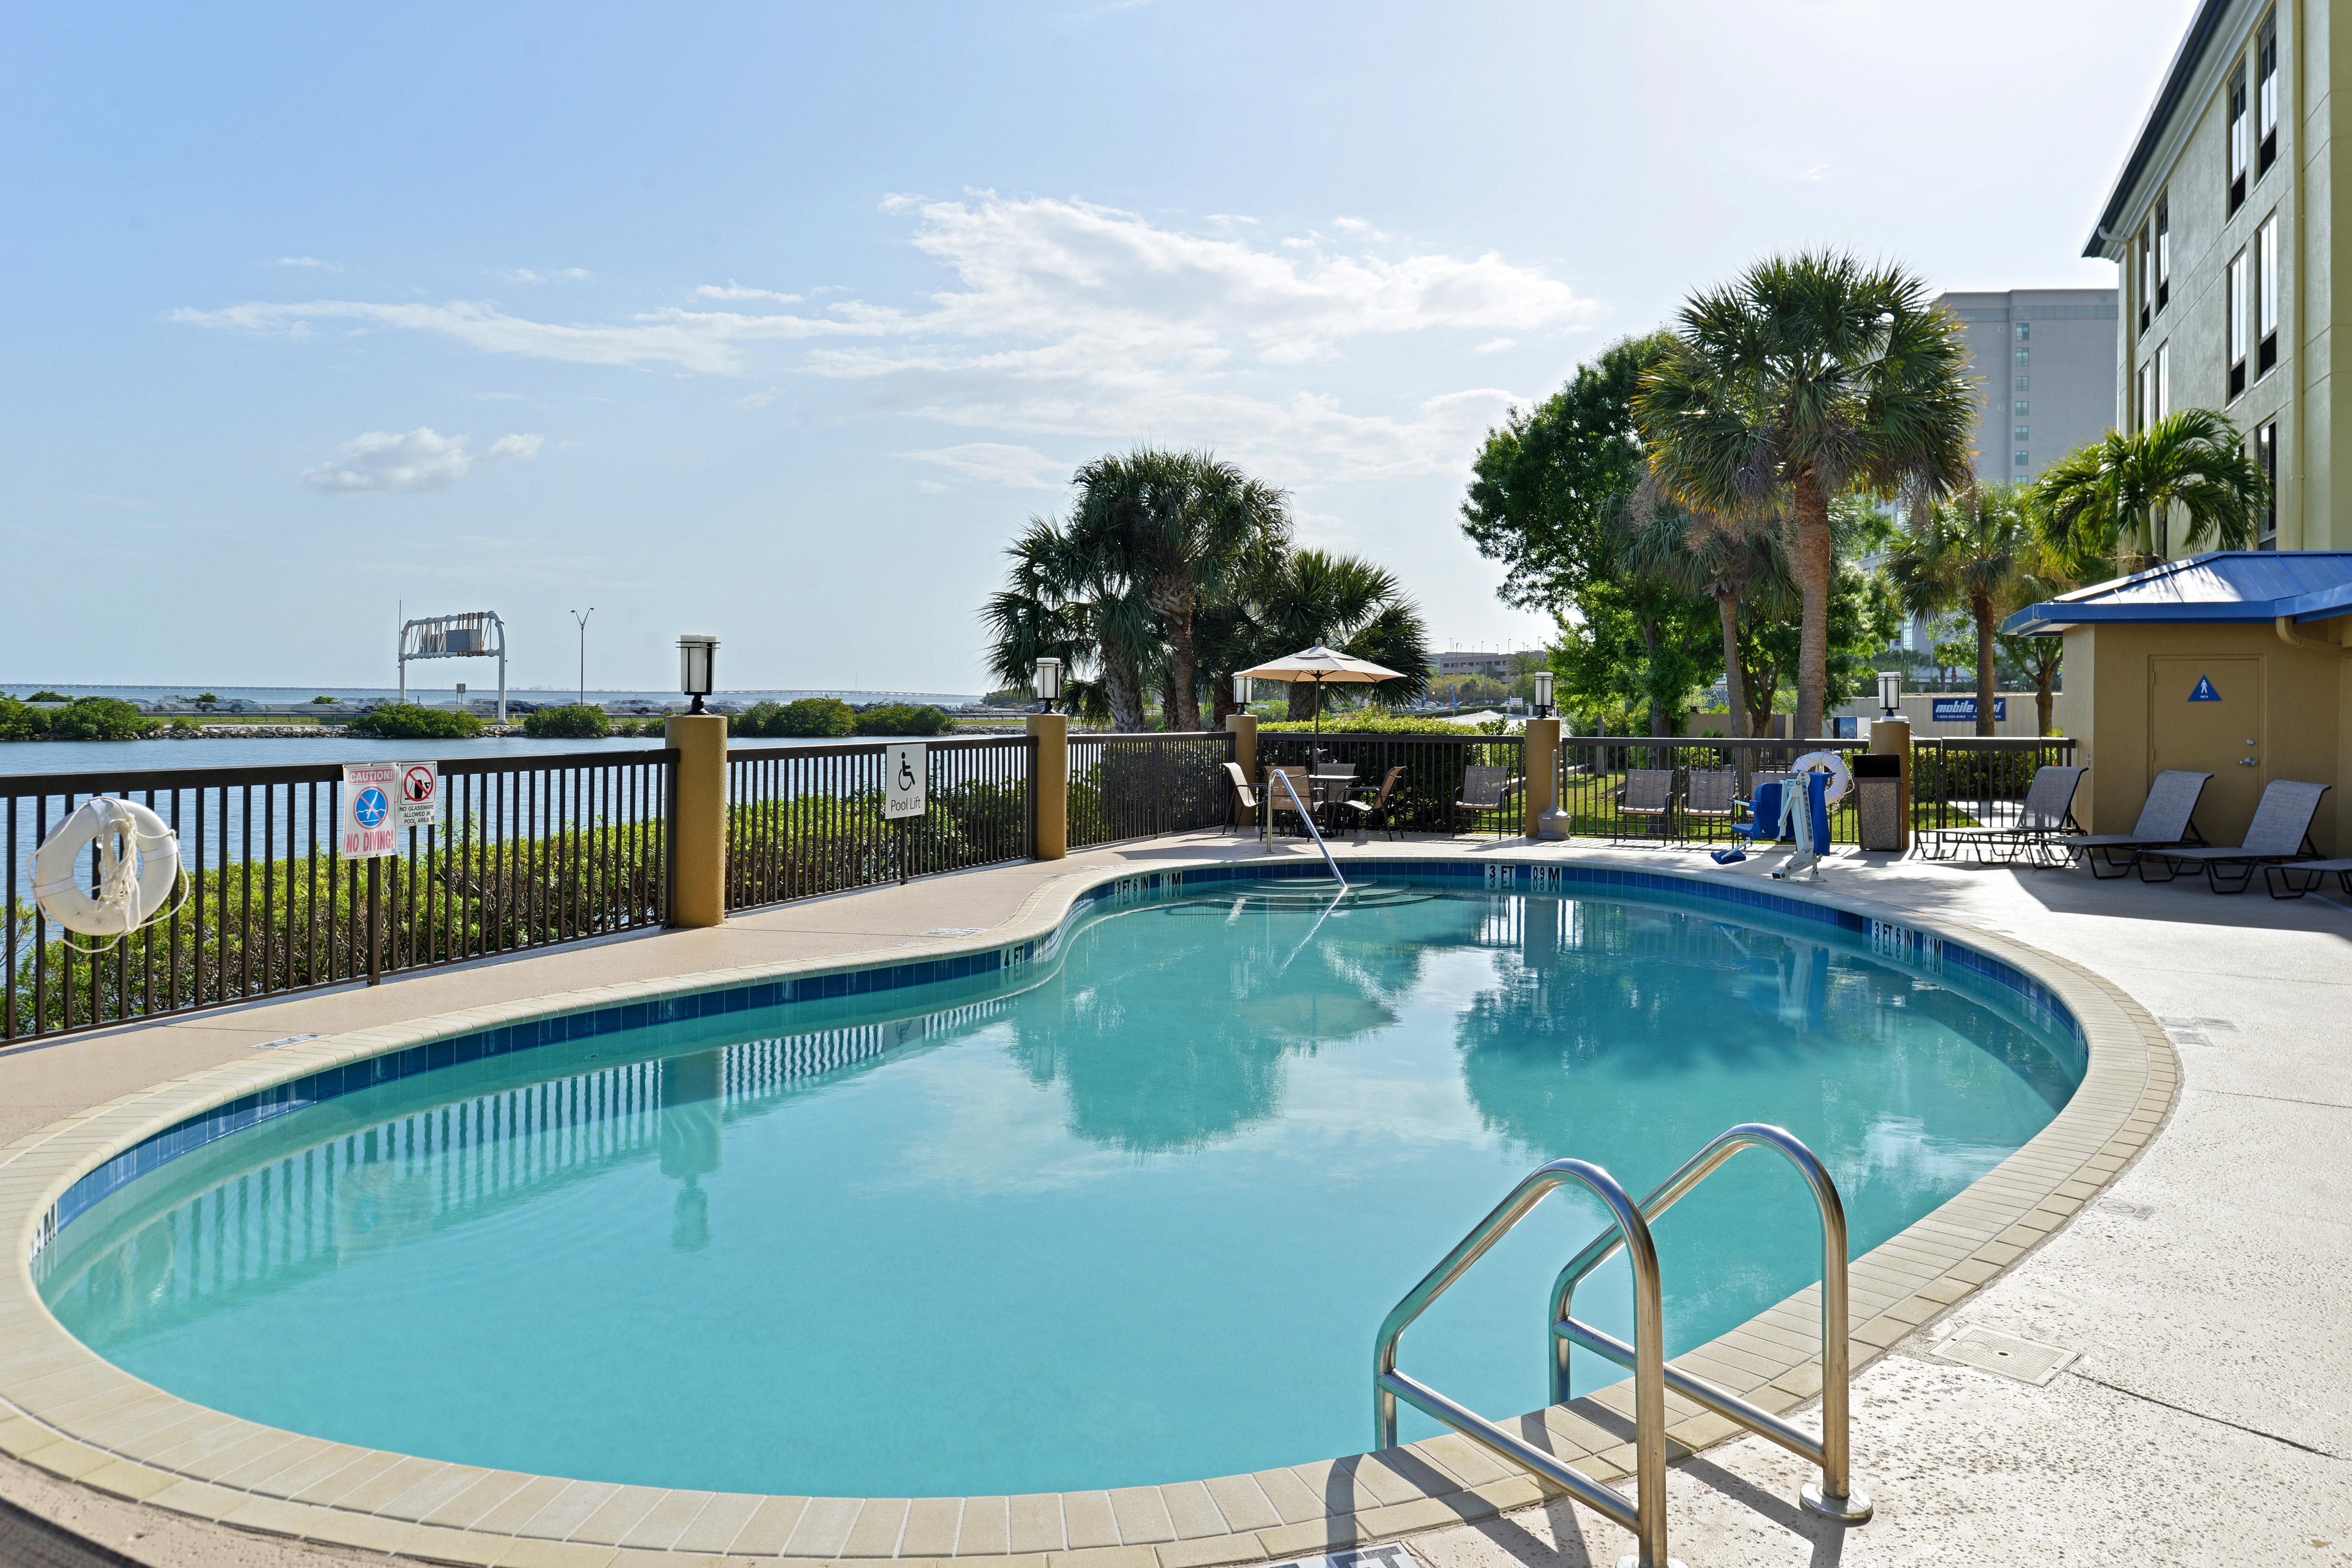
(581, 616)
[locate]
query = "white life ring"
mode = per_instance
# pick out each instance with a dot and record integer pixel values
(137, 866)
(1832, 763)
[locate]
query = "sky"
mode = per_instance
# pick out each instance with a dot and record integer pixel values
(776, 322)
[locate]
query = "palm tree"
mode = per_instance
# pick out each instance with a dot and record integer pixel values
(1298, 598)
(1179, 526)
(1706, 555)
(1065, 600)
(2120, 492)
(1966, 555)
(1812, 375)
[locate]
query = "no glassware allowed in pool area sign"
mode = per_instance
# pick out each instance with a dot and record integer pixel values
(368, 825)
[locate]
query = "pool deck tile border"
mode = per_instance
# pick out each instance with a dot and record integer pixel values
(68, 1412)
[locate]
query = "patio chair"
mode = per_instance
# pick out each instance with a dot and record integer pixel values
(1380, 809)
(2166, 820)
(2047, 816)
(1648, 796)
(1279, 799)
(1245, 798)
(1485, 792)
(2281, 831)
(1709, 795)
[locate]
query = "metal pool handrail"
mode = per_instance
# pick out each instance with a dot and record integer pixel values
(1645, 1516)
(1832, 1496)
(1307, 817)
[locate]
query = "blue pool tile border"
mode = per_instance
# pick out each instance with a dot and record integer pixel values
(1905, 945)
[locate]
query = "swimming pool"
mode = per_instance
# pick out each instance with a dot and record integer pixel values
(1126, 1210)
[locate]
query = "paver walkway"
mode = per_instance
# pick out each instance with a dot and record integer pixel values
(2207, 1416)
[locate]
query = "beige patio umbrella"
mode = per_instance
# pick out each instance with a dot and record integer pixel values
(1319, 664)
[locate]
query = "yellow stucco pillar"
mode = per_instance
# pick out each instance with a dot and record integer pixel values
(1892, 737)
(698, 854)
(1049, 808)
(1244, 729)
(1543, 775)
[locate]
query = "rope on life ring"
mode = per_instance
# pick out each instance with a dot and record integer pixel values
(138, 872)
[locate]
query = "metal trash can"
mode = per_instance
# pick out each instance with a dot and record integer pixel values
(1878, 800)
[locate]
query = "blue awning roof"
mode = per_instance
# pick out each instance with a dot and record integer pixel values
(2222, 586)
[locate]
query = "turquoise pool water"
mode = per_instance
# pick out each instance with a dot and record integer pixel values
(1131, 1217)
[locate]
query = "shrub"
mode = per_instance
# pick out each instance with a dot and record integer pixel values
(1377, 724)
(574, 722)
(408, 721)
(101, 719)
(902, 719)
(810, 718)
(47, 696)
(18, 723)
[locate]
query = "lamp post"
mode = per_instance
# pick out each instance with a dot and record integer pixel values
(1049, 682)
(1890, 692)
(1242, 692)
(581, 616)
(697, 658)
(1543, 693)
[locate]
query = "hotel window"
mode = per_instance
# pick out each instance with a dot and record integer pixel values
(2025, 356)
(2024, 459)
(2266, 296)
(2147, 393)
(2266, 458)
(2266, 94)
(2163, 252)
(2163, 380)
(2020, 433)
(2021, 385)
(2021, 407)
(2241, 146)
(2237, 306)
(2024, 332)
(2145, 250)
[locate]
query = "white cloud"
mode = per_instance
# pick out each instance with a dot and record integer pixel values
(554, 275)
(757, 399)
(995, 463)
(308, 261)
(1062, 318)
(422, 460)
(1496, 345)
(730, 289)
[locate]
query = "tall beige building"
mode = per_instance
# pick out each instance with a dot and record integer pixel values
(2226, 225)
(2046, 360)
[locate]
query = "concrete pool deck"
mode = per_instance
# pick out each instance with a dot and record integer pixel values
(2205, 1415)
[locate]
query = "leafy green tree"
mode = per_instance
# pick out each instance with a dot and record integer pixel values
(1065, 597)
(1864, 617)
(1297, 599)
(1810, 376)
(1635, 653)
(807, 718)
(412, 721)
(1547, 488)
(46, 695)
(2115, 498)
(318, 699)
(99, 719)
(904, 719)
(1966, 556)
(206, 700)
(573, 721)
(20, 723)
(1706, 555)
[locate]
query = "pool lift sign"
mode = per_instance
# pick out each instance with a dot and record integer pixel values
(906, 770)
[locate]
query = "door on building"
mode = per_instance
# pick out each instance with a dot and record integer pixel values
(2206, 715)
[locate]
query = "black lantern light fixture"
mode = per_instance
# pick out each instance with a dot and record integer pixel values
(697, 658)
(1543, 693)
(1890, 692)
(1049, 682)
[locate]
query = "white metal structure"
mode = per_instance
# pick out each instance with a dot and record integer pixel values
(468, 635)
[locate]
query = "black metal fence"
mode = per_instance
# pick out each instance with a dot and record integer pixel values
(1139, 786)
(1427, 794)
(803, 820)
(528, 852)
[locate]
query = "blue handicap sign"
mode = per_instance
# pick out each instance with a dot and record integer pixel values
(371, 809)
(2204, 692)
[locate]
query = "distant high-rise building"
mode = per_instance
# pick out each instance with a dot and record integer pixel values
(2045, 360)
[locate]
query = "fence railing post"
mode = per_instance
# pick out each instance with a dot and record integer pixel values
(1895, 735)
(697, 820)
(1244, 728)
(1542, 761)
(1049, 803)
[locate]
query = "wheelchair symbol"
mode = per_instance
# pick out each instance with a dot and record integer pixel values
(906, 770)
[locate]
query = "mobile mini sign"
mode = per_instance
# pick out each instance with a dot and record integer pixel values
(1963, 710)
(370, 824)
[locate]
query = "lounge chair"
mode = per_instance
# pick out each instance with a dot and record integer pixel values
(2283, 883)
(1485, 790)
(1709, 795)
(1381, 806)
(2281, 831)
(1648, 795)
(2166, 820)
(2047, 816)
(1245, 798)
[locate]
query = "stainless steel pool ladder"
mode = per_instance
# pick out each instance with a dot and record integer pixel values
(1832, 1496)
